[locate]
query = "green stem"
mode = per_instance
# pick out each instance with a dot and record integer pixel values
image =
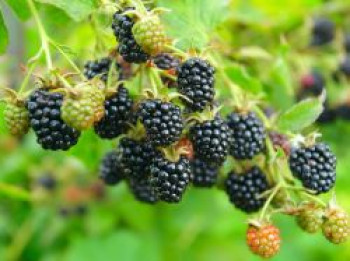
(268, 202)
(313, 198)
(26, 78)
(43, 35)
(68, 59)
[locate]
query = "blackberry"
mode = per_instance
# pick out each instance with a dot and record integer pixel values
(166, 61)
(248, 135)
(203, 174)
(312, 84)
(136, 157)
(344, 67)
(211, 140)
(244, 190)
(118, 112)
(315, 166)
(322, 32)
(47, 181)
(128, 48)
(170, 179)
(343, 111)
(111, 170)
(196, 81)
(347, 43)
(142, 190)
(162, 120)
(45, 119)
(99, 68)
(327, 116)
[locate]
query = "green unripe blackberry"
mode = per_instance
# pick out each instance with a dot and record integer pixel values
(16, 118)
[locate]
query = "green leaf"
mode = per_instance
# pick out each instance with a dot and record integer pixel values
(23, 13)
(281, 89)
(76, 9)
(14, 192)
(240, 76)
(254, 52)
(192, 22)
(301, 115)
(3, 35)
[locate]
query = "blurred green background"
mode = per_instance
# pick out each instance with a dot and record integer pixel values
(267, 39)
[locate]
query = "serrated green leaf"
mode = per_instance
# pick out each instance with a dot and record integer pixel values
(192, 22)
(19, 8)
(75, 9)
(301, 115)
(3, 35)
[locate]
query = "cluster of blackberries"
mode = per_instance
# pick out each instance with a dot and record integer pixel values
(313, 84)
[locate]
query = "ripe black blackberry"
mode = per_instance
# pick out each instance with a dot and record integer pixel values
(47, 181)
(343, 111)
(162, 120)
(244, 189)
(136, 157)
(322, 32)
(111, 170)
(45, 118)
(203, 174)
(344, 67)
(315, 166)
(142, 189)
(248, 135)
(170, 179)
(127, 48)
(327, 116)
(118, 114)
(166, 61)
(196, 81)
(99, 68)
(211, 140)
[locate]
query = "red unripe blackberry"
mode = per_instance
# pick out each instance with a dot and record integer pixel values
(142, 189)
(280, 140)
(163, 121)
(263, 240)
(312, 84)
(314, 166)
(166, 61)
(136, 157)
(118, 114)
(248, 135)
(111, 169)
(211, 140)
(170, 179)
(203, 174)
(323, 32)
(99, 68)
(128, 47)
(196, 81)
(244, 189)
(45, 118)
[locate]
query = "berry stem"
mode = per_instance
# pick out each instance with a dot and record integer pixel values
(268, 201)
(43, 34)
(26, 78)
(68, 59)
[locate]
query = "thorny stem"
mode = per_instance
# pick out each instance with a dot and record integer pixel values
(43, 34)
